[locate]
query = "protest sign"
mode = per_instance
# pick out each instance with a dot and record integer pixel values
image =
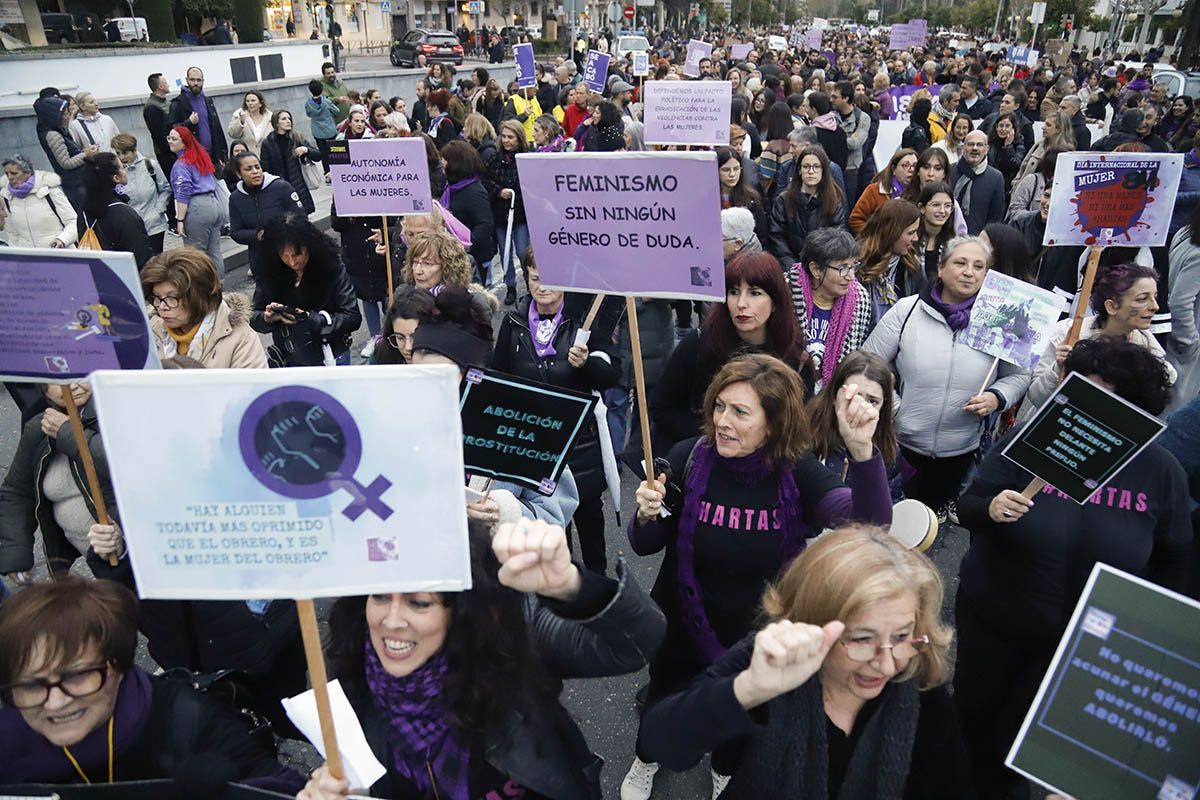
(796, 38)
(696, 50)
(595, 70)
(1011, 319)
(820, 23)
(901, 96)
(776, 43)
(901, 37)
(1025, 56)
(519, 430)
(1116, 715)
(635, 224)
(65, 313)
(374, 177)
(641, 64)
(740, 51)
(814, 38)
(1119, 199)
(1059, 51)
(1082, 437)
(687, 112)
(291, 480)
(523, 56)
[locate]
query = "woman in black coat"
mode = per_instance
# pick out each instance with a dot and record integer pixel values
(107, 213)
(256, 198)
(366, 267)
(917, 135)
(282, 152)
(505, 188)
(812, 200)
(457, 692)
(537, 342)
(467, 198)
(303, 297)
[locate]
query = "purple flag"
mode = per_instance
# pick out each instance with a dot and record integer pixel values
(595, 70)
(523, 55)
(635, 224)
(687, 112)
(381, 176)
(66, 313)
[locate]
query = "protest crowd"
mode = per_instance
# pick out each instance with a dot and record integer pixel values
(790, 637)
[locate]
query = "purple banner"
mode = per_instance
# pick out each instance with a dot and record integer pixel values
(740, 51)
(687, 112)
(595, 70)
(901, 95)
(635, 224)
(67, 313)
(381, 176)
(696, 50)
(523, 55)
(1113, 199)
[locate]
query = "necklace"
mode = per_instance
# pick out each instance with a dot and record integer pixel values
(79, 769)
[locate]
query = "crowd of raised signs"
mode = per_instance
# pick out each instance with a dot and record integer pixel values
(789, 636)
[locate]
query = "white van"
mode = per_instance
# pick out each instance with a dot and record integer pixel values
(133, 29)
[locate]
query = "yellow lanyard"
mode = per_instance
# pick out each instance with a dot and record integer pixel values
(79, 769)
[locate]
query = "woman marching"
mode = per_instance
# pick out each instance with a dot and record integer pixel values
(198, 212)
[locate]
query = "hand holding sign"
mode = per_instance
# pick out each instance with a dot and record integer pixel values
(1008, 506)
(323, 786)
(534, 558)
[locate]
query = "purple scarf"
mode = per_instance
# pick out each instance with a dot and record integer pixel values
(555, 145)
(422, 736)
(451, 188)
(958, 315)
(35, 760)
(753, 468)
(22, 189)
(544, 331)
(840, 321)
(898, 188)
(200, 106)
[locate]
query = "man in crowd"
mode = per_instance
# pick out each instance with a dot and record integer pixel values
(857, 125)
(336, 90)
(193, 108)
(1072, 106)
(156, 112)
(1150, 117)
(972, 103)
(978, 188)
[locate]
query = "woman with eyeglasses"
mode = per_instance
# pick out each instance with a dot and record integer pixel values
(812, 200)
(936, 204)
(76, 710)
(410, 306)
(737, 190)
(745, 497)
(193, 317)
(832, 308)
(842, 693)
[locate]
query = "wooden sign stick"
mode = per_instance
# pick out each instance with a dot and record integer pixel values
(1035, 486)
(1085, 295)
(487, 489)
(592, 312)
(89, 466)
(316, 672)
(639, 373)
(387, 254)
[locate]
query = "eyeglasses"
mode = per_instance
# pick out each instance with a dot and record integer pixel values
(845, 271)
(169, 303)
(398, 340)
(810, 167)
(76, 683)
(866, 648)
(419, 262)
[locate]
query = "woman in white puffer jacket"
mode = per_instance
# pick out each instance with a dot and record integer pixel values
(34, 212)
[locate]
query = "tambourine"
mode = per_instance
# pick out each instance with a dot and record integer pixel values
(914, 524)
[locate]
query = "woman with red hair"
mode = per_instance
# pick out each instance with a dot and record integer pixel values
(757, 318)
(197, 208)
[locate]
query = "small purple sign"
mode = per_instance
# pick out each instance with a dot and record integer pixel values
(740, 51)
(814, 38)
(636, 224)
(523, 56)
(687, 112)
(302, 443)
(66, 313)
(595, 70)
(902, 95)
(382, 177)
(696, 50)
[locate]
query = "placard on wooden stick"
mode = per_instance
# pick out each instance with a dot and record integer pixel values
(1081, 437)
(1117, 716)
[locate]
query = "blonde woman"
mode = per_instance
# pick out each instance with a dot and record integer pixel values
(478, 131)
(251, 124)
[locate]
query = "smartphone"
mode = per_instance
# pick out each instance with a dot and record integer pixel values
(297, 313)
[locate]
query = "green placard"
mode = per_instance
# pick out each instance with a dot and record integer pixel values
(1081, 437)
(1117, 716)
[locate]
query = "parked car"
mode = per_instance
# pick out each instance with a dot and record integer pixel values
(133, 29)
(60, 28)
(436, 45)
(511, 34)
(534, 31)
(632, 43)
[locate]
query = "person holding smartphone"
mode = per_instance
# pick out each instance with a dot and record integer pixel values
(303, 297)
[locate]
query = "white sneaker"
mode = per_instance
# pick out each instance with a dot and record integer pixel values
(639, 781)
(719, 783)
(368, 349)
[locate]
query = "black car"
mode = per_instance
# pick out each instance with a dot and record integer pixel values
(60, 28)
(441, 47)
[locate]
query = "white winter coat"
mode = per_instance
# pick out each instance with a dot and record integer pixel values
(98, 130)
(43, 215)
(938, 375)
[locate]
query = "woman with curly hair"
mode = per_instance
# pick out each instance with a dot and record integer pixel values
(889, 270)
(458, 691)
(435, 260)
(1028, 560)
(303, 296)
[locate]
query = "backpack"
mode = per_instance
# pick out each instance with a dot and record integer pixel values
(89, 240)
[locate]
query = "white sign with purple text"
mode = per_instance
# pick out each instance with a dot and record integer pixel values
(687, 112)
(374, 177)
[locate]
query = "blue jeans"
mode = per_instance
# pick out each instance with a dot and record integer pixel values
(520, 243)
(373, 314)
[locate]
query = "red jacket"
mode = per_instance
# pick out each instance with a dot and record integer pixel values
(572, 116)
